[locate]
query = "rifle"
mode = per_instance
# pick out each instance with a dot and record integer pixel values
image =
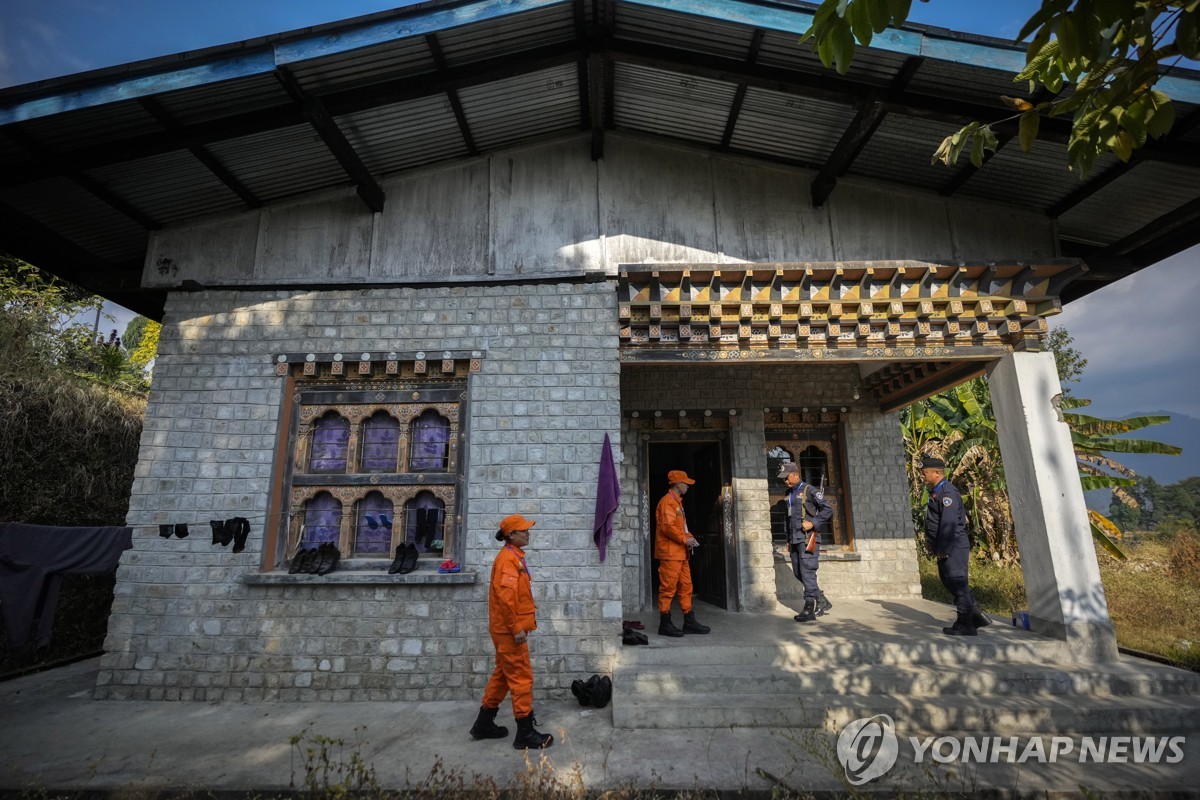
(810, 546)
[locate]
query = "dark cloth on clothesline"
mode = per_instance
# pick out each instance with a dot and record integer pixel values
(33, 559)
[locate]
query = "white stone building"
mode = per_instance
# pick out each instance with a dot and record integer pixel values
(413, 268)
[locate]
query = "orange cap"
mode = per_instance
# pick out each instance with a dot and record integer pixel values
(515, 522)
(678, 476)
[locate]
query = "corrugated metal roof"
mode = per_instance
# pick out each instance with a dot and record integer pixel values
(668, 67)
(281, 163)
(218, 100)
(789, 126)
(370, 65)
(1130, 202)
(671, 104)
(696, 34)
(404, 135)
(62, 205)
(175, 185)
(529, 105)
(899, 152)
(1041, 176)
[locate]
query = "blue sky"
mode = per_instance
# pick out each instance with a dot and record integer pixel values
(1133, 333)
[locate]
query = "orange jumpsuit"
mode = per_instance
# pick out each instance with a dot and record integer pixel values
(510, 610)
(674, 575)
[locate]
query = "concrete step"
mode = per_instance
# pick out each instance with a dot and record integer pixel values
(793, 655)
(1001, 715)
(910, 680)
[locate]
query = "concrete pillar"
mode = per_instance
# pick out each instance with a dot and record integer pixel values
(1058, 556)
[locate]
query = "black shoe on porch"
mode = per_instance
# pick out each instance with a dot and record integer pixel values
(963, 626)
(980, 619)
(485, 726)
(823, 605)
(692, 625)
(809, 613)
(666, 627)
(529, 739)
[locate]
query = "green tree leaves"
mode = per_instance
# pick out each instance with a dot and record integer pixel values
(1103, 56)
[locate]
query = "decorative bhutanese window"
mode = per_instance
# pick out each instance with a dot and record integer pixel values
(374, 461)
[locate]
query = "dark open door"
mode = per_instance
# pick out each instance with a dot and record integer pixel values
(705, 505)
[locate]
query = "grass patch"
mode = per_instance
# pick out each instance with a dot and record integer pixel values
(1153, 598)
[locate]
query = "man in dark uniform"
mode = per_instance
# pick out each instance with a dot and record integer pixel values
(946, 539)
(807, 512)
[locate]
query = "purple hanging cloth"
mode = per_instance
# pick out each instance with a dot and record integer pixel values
(608, 492)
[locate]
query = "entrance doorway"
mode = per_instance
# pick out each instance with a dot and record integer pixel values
(708, 507)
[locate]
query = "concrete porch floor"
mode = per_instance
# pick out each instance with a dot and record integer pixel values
(54, 736)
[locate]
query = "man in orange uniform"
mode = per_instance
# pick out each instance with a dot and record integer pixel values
(673, 543)
(511, 618)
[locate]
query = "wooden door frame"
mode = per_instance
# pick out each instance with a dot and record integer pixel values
(781, 433)
(729, 537)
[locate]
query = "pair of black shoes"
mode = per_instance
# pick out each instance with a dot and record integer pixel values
(236, 530)
(320, 560)
(631, 637)
(595, 692)
(406, 559)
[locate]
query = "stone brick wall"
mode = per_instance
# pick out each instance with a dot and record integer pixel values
(884, 564)
(186, 625)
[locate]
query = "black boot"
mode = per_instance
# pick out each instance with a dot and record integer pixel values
(666, 627)
(963, 626)
(809, 613)
(691, 625)
(528, 738)
(980, 619)
(485, 726)
(823, 605)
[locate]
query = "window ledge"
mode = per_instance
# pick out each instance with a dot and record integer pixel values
(360, 577)
(825, 556)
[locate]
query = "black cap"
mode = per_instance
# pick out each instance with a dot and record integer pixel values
(787, 468)
(929, 462)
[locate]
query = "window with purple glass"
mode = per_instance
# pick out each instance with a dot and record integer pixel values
(330, 441)
(376, 468)
(322, 521)
(430, 442)
(373, 525)
(380, 443)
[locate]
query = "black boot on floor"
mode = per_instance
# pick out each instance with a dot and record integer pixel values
(692, 625)
(980, 619)
(666, 627)
(528, 738)
(485, 726)
(809, 613)
(823, 605)
(962, 626)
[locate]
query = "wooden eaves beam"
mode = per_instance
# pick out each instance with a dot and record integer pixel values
(323, 123)
(739, 97)
(32, 241)
(599, 48)
(290, 114)
(439, 61)
(201, 154)
(77, 176)
(870, 114)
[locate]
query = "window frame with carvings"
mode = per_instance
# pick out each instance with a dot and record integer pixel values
(404, 390)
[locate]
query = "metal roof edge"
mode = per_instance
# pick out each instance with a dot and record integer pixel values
(915, 40)
(276, 50)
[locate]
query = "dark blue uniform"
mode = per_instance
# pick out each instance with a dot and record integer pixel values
(805, 504)
(946, 538)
